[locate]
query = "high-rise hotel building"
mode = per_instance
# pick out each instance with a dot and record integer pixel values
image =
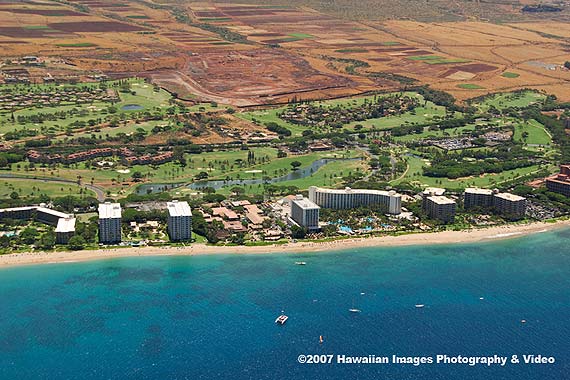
(179, 221)
(353, 198)
(109, 223)
(305, 213)
(506, 204)
(440, 207)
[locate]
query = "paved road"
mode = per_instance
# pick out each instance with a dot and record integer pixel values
(99, 192)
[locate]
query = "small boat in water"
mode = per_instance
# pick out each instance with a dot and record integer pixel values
(321, 340)
(353, 309)
(300, 263)
(419, 306)
(281, 319)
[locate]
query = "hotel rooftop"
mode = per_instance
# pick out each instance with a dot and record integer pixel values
(510, 197)
(441, 200)
(65, 225)
(176, 208)
(305, 203)
(474, 190)
(434, 191)
(109, 210)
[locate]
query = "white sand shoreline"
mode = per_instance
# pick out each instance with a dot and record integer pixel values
(445, 237)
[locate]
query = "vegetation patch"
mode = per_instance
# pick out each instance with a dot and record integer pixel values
(78, 44)
(352, 50)
(216, 19)
(470, 86)
(301, 35)
(507, 74)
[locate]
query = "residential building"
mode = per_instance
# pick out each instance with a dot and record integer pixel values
(65, 230)
(109, 223)
(353, 198)
(430, 191)
(179, 221)
(510, 205)
(560, 183)
(305, 213)
(441, 208)
(473, 197)
(505, 204)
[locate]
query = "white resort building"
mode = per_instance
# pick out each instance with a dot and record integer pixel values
(353, 198)
(179, 221)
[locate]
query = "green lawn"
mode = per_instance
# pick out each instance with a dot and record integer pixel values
(419, 115)
(439, 133)
(506, 100)
(144, 96)
(33, 188)
(536, 133)
(414, 175)
(330, 175)
(113, 131)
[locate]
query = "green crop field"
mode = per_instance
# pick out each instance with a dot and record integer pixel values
(470, 86)
(507, 74)
(301, 35)
(352, 50)
(78, 44)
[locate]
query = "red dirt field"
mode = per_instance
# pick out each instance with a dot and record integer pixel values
(95, 27)
(476, 68)
(43, 12)
(16, 32)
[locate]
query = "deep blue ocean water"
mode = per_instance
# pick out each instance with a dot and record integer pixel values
(212, 317)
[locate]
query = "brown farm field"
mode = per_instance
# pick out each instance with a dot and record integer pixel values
(249, 55)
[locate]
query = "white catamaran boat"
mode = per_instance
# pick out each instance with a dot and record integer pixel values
(281, 319)
(300, 263)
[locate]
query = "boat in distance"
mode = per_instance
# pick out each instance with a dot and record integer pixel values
(281, 319)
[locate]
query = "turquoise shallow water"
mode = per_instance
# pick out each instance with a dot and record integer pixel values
(212, 317)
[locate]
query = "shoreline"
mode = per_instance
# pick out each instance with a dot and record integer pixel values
(426, 238)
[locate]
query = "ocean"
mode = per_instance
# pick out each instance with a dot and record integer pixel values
(212, 317)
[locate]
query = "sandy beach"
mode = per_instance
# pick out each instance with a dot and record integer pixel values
(444, 237)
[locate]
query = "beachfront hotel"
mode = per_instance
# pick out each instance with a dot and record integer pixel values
(440, 207)
(179, 221)
(474, 197)
(65, 223)
(353, 198)
(560, 183)
(65, 229)
(502, 203)
(109, 223)
(510, 205)
(305, 213)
